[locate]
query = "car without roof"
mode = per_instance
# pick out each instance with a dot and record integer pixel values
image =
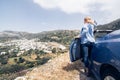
(105, 55)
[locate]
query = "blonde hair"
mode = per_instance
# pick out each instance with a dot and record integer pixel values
(87, 18)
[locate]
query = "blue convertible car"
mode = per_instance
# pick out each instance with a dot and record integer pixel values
(105, 55)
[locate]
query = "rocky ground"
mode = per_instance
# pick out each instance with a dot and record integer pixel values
(59, 68)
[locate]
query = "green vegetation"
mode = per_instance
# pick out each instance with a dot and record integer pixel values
(54, 50)
(61, 36)
(29, 59)
(10, 63)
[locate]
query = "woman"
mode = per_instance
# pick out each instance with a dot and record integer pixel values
(87, 41)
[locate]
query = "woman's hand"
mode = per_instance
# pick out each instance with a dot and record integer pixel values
(91, 21)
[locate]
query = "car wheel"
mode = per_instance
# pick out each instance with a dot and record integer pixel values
(110, 74)
(109, 78)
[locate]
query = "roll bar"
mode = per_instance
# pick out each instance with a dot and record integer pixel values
(103, 31)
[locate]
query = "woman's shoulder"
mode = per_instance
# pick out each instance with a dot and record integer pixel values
(86, 25)
(90, 25)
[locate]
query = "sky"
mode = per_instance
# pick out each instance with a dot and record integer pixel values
(45, 15)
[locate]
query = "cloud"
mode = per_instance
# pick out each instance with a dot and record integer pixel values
(108, 8)
(111, 8)
(68, 6)
(77, 6)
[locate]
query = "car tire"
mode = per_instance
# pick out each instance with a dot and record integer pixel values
(110, 74)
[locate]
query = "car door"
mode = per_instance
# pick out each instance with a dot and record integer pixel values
(75, 50)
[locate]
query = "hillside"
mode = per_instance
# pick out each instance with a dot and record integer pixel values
(115, 25)
(58, 68)
(112, 25)
(33, 49)
(60, 36)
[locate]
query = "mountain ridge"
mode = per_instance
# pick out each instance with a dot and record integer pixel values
(114, 25)
(60, 36)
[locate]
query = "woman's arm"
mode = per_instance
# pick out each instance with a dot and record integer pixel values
(93, 22)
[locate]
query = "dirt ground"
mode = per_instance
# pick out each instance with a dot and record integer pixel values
(59, 68)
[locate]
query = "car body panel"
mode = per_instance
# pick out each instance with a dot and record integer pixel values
(106, 50)
(75, 50)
